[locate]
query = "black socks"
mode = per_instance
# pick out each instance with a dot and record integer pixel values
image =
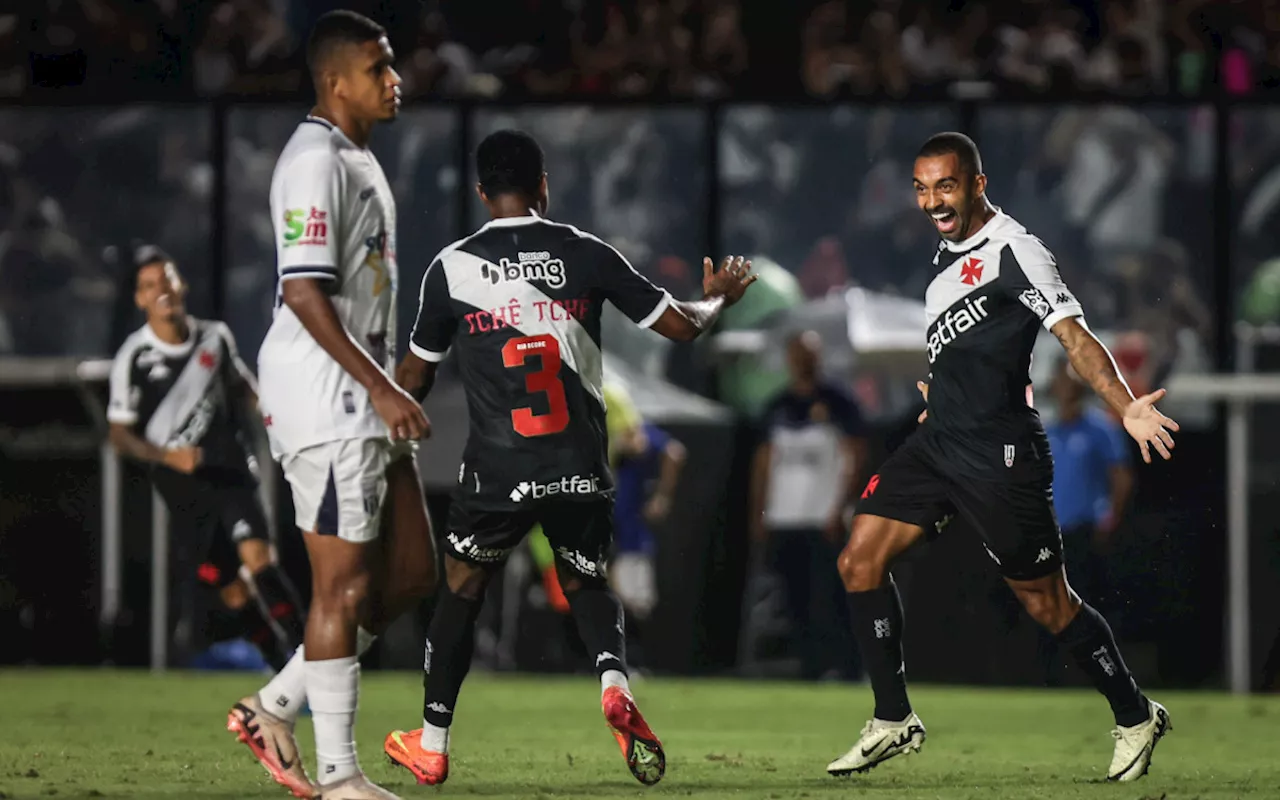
(1088, 638)
(451, 641)
(877, 626)
(599, 617)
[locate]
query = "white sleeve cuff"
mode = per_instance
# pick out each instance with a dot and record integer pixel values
(657, 312)
(310, 272)
(430, 356)
(1062, 313)
(120, 416)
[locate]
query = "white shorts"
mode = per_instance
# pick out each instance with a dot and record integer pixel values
(633, 581)
(339, 487)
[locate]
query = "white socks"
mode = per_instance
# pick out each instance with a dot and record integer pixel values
(613, 677)
(333, 689)
(286, 693)
(434, 739)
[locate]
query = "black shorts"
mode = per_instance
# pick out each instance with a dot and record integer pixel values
(1015, 517)
(580, 532)
(210, 513)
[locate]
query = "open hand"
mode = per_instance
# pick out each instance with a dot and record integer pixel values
(730, 281)
(1148, 427)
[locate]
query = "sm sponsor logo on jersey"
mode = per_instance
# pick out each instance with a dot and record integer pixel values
(535, 267)
(306, 227)
(954, 322)
(568, 485)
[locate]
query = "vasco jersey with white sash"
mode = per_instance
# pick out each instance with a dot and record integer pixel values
(520, 301)
(183, 395)
(985, 309)
(335, 222)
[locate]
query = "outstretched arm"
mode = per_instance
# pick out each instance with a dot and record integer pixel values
(652, 307)
(1093, 362)
(684, 321)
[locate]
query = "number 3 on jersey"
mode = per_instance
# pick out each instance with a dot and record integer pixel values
(546, 380)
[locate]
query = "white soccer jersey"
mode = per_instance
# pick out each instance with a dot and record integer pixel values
(335, 221)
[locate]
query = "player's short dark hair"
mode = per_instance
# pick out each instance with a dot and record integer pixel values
(337, 28)
(957, 144)
(146, 255)
(510, 162)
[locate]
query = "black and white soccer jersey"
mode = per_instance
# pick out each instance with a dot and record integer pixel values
(521, 300)
(177, 395)
(985, 309)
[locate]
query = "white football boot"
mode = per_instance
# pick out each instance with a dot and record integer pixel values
(1135, 745)
(880, 741)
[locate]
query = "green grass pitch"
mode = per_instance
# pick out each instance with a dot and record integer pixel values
(89, 734)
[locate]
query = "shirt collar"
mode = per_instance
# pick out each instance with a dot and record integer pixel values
(171, 350)
(507, 222)
(982, 233)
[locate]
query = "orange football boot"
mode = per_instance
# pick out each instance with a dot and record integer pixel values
(271, 741)
(640, 747)
(405, 749)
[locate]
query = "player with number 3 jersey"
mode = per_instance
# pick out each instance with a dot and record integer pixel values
(519, 302)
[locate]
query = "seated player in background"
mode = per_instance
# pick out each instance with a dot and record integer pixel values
(180, 401)
(521, 301)
(645, 481)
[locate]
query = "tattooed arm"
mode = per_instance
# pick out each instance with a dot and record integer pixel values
(1093, 362)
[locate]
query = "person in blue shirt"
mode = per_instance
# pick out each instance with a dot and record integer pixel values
(1092, 483)
(644, 485)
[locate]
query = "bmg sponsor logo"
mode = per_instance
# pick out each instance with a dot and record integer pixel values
(536, 267)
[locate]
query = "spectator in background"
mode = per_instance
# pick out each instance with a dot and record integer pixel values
(804, 478)
(1092, 484)
(645, 484)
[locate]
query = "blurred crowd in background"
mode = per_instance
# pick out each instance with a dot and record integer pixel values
(1121, 194)
(658, 48)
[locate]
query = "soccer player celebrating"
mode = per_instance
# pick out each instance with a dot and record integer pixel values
(336, 420)
(180, 400)
(982, 452)
(521, 300)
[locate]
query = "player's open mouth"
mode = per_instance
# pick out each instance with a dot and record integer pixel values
(945, 219)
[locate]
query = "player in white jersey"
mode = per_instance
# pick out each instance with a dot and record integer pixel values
(337, 422)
